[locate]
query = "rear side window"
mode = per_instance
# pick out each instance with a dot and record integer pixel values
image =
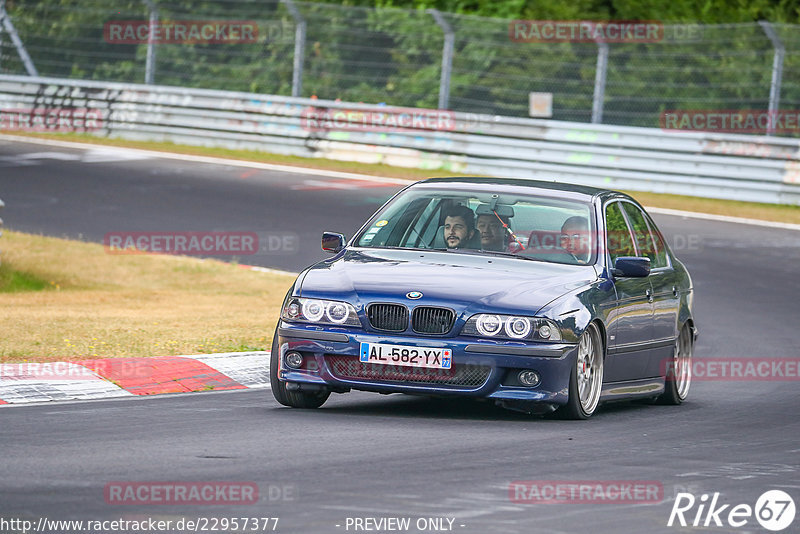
(644, 241)
(661, 249)
(619, 241)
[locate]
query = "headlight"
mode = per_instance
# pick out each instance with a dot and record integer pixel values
(337, 312)
(313, 310)
(518, 327)
(511, 327)
(488, 325)
(319, 311)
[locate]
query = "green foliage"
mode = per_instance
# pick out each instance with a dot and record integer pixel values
(392, 53)
(674, 11)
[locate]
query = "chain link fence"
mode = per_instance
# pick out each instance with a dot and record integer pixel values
(412, 58)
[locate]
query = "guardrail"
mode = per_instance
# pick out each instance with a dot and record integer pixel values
(739, 167)
(1, 223)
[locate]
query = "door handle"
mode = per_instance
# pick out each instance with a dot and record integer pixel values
(649, 294)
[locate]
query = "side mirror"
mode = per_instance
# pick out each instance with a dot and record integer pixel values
(332, 242)
(631, 267)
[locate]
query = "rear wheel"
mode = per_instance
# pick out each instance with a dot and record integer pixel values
(679, 372)
(293, 399)
(586, 377)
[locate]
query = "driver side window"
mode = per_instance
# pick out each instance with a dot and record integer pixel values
(619, 241)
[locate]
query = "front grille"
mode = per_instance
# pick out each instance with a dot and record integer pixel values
(428, 320)
(388, 317)
(464, 375)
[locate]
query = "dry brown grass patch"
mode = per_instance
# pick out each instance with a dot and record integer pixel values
(99, 305)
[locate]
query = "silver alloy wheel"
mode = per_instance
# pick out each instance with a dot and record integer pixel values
(683, 362)
(589, 370)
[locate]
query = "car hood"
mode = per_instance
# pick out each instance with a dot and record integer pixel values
(456, 280)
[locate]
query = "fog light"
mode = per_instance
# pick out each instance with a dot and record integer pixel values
(294, 360)
(529, 378)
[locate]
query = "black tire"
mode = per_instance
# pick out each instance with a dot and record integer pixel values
(575, 409)
(676, 384)
(292, 399)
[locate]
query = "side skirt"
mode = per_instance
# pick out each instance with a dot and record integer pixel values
(632, 389)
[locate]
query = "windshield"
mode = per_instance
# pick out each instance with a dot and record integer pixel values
(480, 222)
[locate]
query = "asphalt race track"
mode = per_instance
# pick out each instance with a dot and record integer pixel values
(370, 456)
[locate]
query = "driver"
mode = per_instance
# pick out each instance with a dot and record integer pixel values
(459, 226)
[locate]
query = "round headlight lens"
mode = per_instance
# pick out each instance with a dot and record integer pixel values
(293, 309)
(545, 331)
(337, 312)
(518, 327)
(313, 310)
(488, 325)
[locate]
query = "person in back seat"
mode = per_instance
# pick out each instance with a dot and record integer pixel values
(493, 235)
(575, 238)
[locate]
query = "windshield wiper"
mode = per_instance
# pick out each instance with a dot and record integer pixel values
(487, 252)
(505, 254)
(417, 249)
(458, 251)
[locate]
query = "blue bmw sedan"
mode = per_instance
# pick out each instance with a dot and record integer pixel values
(539, 296)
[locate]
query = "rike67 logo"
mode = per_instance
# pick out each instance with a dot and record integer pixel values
(774, 510)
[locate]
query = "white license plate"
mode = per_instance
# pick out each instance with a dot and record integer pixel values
(405, 355)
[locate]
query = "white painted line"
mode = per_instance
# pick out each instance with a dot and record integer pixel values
(723, 218)
(103, 154)
(268, 270)
(26, 391)
(130, 397)
(211, 159)
(355, 176)
(61, 156)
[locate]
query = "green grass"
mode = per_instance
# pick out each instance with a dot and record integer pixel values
(13, 281)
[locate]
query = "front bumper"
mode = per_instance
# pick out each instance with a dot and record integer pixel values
(331, 360)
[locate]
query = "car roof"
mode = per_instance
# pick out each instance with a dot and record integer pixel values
(571, 190)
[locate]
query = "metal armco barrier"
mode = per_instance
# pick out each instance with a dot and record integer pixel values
(1, 224)
(739, 167)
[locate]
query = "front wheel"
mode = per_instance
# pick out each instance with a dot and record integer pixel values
(586, 377)
(293, 399)
(679, 372)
